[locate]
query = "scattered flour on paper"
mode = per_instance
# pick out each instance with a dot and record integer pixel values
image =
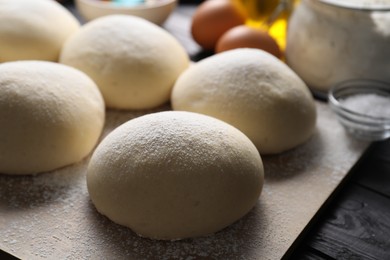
(50, 215)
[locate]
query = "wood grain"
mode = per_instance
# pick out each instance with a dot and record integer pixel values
(312, 254)
(357, 228)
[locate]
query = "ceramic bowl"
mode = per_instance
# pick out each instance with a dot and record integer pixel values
(156, 11)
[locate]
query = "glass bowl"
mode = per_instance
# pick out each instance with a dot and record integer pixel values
(363, 108)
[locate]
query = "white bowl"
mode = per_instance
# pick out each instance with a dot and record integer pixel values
(155, 11)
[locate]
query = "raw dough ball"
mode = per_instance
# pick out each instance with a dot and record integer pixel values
(34, 30)
(253, 91)
(173, 175)
(134, 62)
(51, 115)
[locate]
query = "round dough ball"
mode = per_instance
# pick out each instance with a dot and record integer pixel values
(133, 61)
(174, 175)
(34, 30)
(253, 91)
(51, 116)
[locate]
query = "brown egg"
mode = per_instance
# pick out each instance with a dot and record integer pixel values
(243, 36)
(212, 19)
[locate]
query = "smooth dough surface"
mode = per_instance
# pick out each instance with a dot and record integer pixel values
(51, 116)
(253, 91)
(174, 175)
(34, 29)
(133, 61)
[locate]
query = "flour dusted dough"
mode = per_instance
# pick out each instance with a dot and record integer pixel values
(253, 91)
(33, 29)
(173, 175)
(51, 115)
(133, 61)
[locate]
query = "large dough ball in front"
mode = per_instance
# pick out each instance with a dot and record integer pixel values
(51, 116)
(34, 29)
(133, 61)
(174, 175)
(253, 91)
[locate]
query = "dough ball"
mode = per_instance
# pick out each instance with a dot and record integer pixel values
(253, 91)
(34, 30)
(174, 175)
(51, 116)
(133, 61)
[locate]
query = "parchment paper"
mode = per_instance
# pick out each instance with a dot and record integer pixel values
(50, 216)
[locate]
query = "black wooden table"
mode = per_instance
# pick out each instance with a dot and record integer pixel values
(355, 222)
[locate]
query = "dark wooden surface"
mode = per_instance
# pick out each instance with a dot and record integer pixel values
(355, 221)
